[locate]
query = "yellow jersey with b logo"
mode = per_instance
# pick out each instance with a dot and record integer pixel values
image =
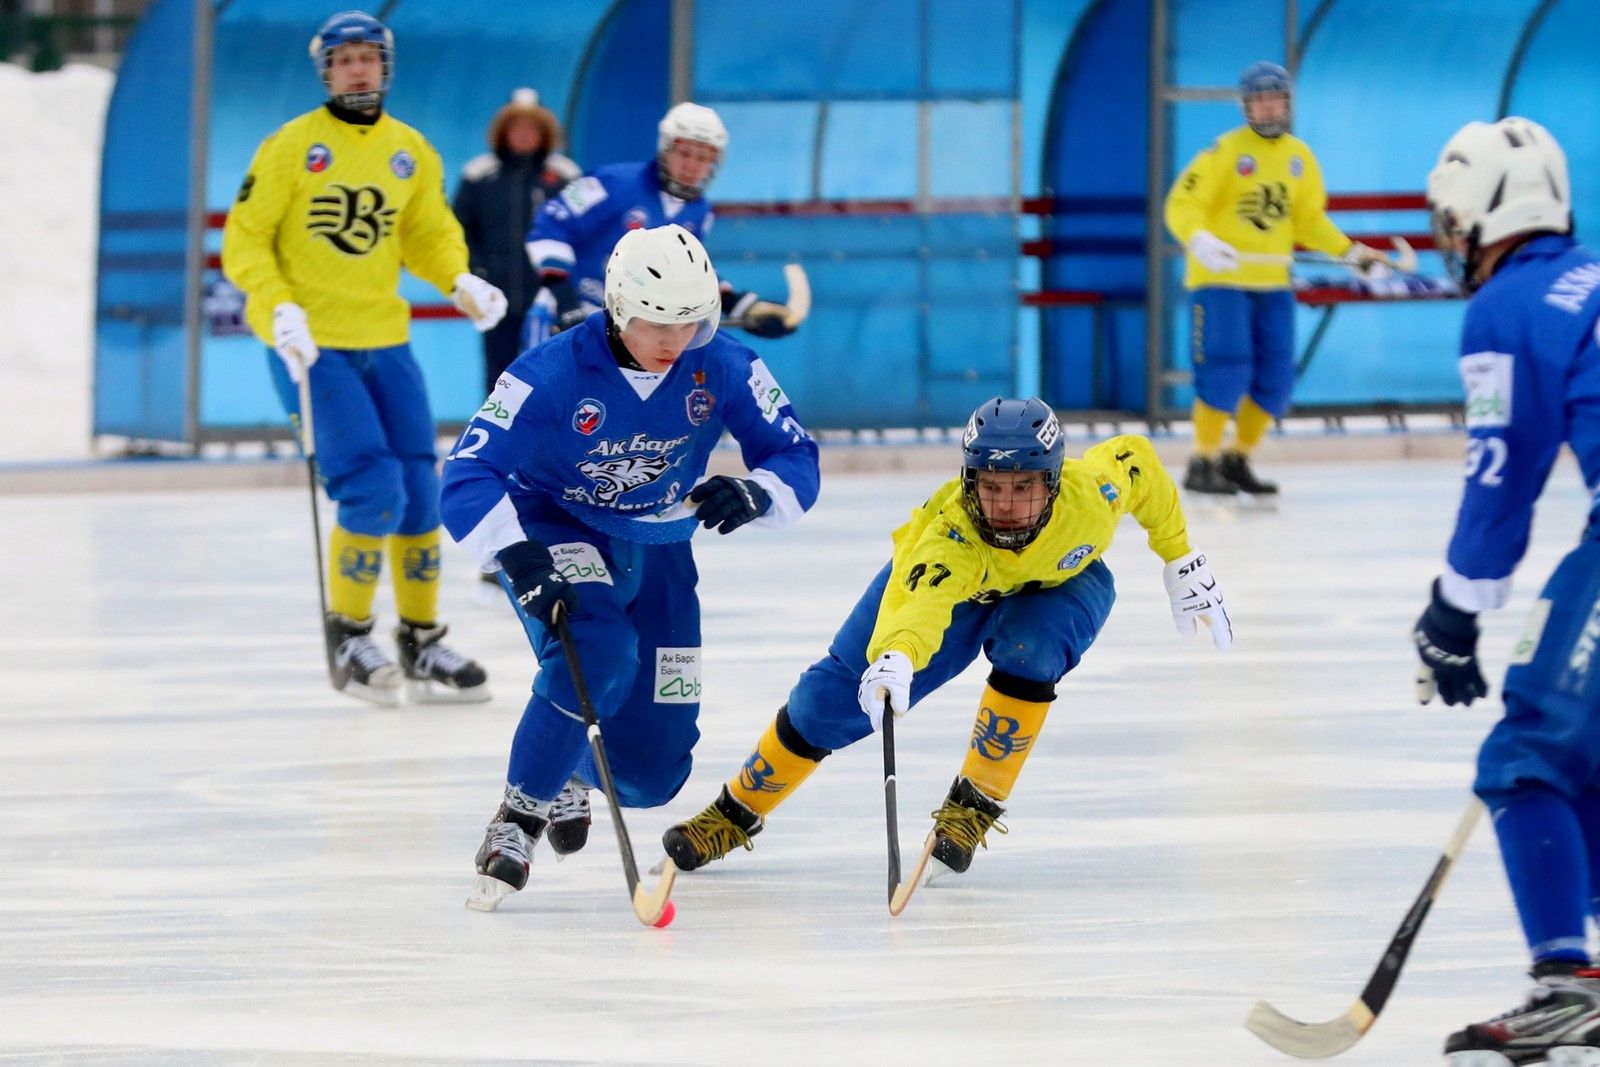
(1260, 195)
(328, 214)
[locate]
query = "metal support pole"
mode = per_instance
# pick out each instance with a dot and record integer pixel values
(194, 258)
(682, 62)
(1155, 260)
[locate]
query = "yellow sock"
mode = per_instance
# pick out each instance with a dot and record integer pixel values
(414, 567)
(1252, 421)
(774, 769)
(1001, 739)
(354, 561)
(1209, 426)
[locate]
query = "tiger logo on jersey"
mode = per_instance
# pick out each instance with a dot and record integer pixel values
(1264, 206)
(617, 476)
(353, 219)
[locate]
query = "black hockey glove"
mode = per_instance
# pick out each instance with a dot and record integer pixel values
(756, 316)
(541, 591)
(728, 503)
(1447, 642)
(569, 307)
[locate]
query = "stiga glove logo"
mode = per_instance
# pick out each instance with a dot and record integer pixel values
(353, 219)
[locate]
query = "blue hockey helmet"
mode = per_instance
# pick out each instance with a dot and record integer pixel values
(1265, 77)
(1011, 435)
(354, 27)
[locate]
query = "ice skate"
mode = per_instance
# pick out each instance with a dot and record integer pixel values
(960, 826)
(1205, 476)
(356, 665)
(1234, 467)
(435, 673)
(1559, 1025)
(712, 834)
(569, 820)
(504, 857)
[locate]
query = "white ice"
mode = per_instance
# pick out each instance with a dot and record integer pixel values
(208, 857)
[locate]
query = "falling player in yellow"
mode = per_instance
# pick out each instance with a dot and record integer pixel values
(335, 202)
(1240, 207)
(1004, 559)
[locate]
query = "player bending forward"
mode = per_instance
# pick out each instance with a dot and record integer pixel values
(1502, 215)
(1004, 558)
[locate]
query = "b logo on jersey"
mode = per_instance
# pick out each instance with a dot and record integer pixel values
(1246, 166)
(590, 414)
(353, 219)
(994, 736)
(318, 158)
(636, 219)
(617, 476)
(402, 164)
(1264, 205)
(1075, 557)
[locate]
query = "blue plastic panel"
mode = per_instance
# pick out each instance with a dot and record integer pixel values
(1557, 87)
(870, 150)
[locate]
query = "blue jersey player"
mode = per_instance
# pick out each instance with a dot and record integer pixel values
(573, 234)
(583, 478)
(1530, 363)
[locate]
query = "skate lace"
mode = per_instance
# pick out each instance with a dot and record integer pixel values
(714, 835)
(364, 652)
(571, 803)
(964, 826)
(441, 659)
(508, 839)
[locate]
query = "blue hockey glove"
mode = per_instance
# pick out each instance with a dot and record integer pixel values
(728, 503)
(540, 590)
(1447, 642)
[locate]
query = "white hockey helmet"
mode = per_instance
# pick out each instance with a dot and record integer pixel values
(1493, 181)
(663, 276)
(688, 122)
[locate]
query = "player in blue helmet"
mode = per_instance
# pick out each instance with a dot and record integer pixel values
(1502, 211)
(1265, 93)
(354, 27)
(1003, 559)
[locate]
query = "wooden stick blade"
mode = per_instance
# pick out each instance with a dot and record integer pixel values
(649, 904)
(1405, 257)
(902, 892)
(1309, 1041)
(799, 299)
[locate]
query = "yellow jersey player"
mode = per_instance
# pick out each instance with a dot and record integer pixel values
(1004, 559)
(1239, 208)
(335, 202)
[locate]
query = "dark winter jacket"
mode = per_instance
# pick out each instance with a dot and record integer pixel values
(499, 196)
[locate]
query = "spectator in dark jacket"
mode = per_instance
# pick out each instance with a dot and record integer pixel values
(501, 191)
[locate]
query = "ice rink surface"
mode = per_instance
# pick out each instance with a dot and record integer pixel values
(209, 857)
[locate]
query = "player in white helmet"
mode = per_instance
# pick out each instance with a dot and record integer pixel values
(1501, 205)
(573, 234)
(583, 478)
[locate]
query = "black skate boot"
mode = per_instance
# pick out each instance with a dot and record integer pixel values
(961, 824)
(712, 834)
(1203, 476)
(1559, 1025)
(436, 674)
(569, 820)
(1235, 467)
(505, 856)
(356, 665)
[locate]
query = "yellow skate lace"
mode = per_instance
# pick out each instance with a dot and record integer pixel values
(964, 826)
(714, 835)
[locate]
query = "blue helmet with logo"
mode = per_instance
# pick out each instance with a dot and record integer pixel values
(1011, 435)
(354, 27)
(1265, 77)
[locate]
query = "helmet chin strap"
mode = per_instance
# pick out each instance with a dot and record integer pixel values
(367, 100)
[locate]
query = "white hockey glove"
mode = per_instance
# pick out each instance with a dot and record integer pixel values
(479, 301)
(1213, 252)
(1195, 595)
(887, 676)
(1370, 263)
(291, 337)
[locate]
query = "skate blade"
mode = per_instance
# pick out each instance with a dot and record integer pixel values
(487, 893)
(1573, 1057)
(383, 696)
(937, 871)
(428, 691)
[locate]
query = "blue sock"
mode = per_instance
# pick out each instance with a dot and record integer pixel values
(547, 746)
(1547, 863)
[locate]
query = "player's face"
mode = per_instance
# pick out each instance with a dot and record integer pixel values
(1012, 500)
(523, 136)
(1266, 107)
(691, 163)
(355, 68)
(657, 345)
